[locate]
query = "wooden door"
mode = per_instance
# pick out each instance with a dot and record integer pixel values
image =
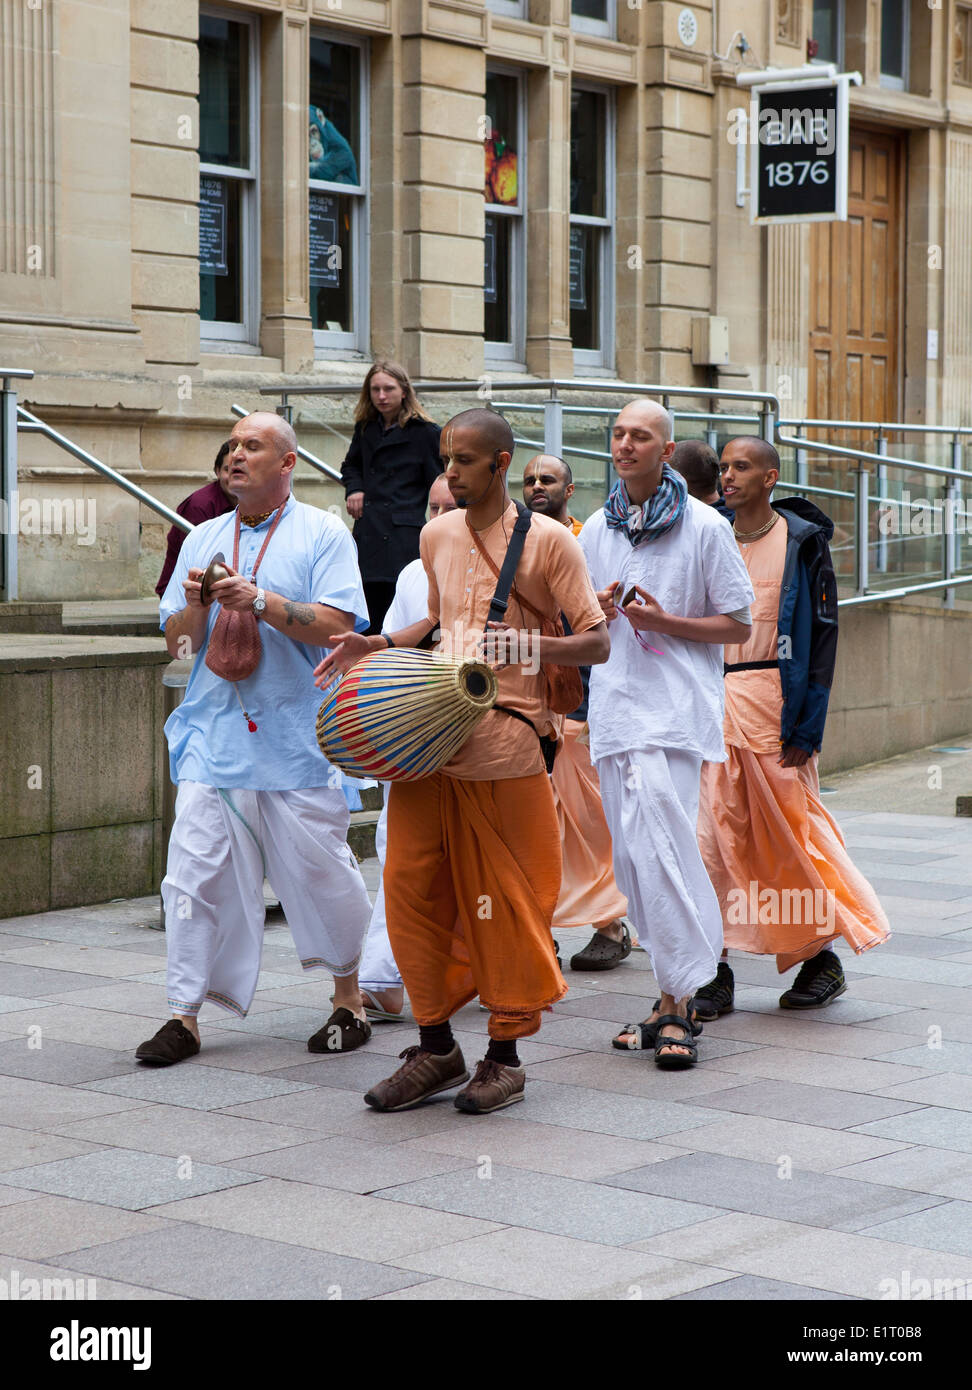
(855, 290)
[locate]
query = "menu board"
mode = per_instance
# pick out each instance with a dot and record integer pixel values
(212, 226)
(578, 259)
(325, 251)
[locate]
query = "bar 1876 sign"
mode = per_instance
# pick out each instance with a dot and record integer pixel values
(797, 133)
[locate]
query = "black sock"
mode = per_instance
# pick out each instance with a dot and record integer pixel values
(438, 1039)
(503, 1052)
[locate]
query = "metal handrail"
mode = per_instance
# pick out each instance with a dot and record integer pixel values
(303, 453)
(36, 426)
(887, 594)
(817, 446)
(553, 384)
(883, 425)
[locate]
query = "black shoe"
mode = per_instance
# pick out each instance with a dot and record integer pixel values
(820, 980)
(172, 1043)
(717, 997)
(602, 952)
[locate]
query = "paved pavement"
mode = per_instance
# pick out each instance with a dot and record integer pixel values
(804, 1158)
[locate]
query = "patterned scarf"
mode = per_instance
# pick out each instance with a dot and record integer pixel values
(653, 518)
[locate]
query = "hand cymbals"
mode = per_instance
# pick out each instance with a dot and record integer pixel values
(217, 570)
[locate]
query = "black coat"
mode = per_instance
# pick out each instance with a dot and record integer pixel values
(394, 470)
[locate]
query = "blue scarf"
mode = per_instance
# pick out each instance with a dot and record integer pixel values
(653, 518)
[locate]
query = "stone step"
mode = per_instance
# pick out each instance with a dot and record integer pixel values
(361, 833)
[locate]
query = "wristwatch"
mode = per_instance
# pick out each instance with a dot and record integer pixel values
(259, 604)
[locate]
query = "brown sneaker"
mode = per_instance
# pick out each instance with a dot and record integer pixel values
(421, 1075)
(491, 1088)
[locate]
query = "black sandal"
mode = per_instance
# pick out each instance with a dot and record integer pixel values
(673, 1061)
(646, 1034)
(342, 1032)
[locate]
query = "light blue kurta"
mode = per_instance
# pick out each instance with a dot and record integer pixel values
(311, 558)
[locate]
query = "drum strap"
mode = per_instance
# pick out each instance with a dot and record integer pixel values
(500, 600)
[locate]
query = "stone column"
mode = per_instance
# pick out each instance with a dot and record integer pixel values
(549, 351)
(285, 325)
(442, 206)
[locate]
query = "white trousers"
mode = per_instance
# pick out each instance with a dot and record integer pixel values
(223, 844)
(378, 969)
(651, 804)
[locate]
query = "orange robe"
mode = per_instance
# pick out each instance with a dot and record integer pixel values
(588, 892)
(470, 888)
(776, 856)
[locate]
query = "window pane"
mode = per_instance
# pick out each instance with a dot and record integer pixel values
(893, 17)
(335, 125)
(585, 286)
(220, 259)
(587, 153)
(498, 325)
(330, 261)
(224, 114)
(590, 9)
(826, 20)
(502, 181)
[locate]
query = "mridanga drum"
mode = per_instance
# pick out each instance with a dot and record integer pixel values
(401, 714)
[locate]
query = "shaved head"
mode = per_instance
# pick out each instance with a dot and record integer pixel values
(489, 427)
(440, 498)
(280, 430)
(759, 451)
(650, 412)
(543, 461)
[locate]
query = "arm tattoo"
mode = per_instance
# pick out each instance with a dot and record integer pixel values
(302, 612)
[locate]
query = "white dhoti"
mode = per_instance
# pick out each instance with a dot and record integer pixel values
(378, 969)
(223, 844)
(651, 803)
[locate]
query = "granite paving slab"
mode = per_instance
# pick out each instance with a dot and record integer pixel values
(748, 1287)
(449, 1290)
(541, 1265)
(630, 1074)
(945, 1227)
(561, 1206)
(934, 1126)
(120, 996)
(15, 1003)
(352, 1165)
(806, 1034)
(837, 1073)
(200, 1088)
(853, 1264)
(56, 1225)
(327, 1111)
(126, 1178)
(945, 1089)
(951, 1056)
(580, 1107)
(357, 1071)
(915, 994)
(323, 1218)
(925, 1024)
(876, 964)
(88, 1027)
(808, 1105)
(29, 981)
(943, 1172)
(21, 1147)
(10, 1196)
(208, 1136)
(546, 1149)
(37, 1105)
(36, 1058)
(54, 1281)
(766, 1189)
(84, 960)
(202, 1262)
(248, 1052)
(770, 1141)
(295, 1023)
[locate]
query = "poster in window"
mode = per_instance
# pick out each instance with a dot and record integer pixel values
(212, 227)
(489, 262)
(325, 250)
(578, 279)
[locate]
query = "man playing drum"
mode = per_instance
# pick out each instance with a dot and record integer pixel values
(470, 883)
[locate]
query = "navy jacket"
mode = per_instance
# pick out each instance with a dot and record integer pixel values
(807, 623)
(394, 469)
